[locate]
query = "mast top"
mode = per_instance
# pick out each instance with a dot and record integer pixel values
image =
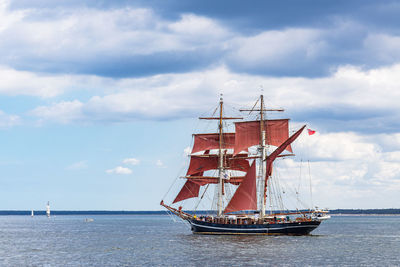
(261, 109)
(221, 100)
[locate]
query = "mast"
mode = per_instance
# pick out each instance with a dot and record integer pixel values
(221, 167)
(263, 158)
(262, 149)
(220, 159)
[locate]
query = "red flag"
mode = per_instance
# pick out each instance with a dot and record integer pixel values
(310, 132)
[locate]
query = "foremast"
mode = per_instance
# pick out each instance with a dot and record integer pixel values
(221, 167)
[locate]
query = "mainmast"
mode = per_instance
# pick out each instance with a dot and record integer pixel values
(264, 178)
(262, 148)
(263, 158)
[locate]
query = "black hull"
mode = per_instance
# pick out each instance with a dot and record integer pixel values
(286, 228)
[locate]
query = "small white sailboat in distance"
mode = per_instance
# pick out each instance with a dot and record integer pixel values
(48, 209)
(32, 214)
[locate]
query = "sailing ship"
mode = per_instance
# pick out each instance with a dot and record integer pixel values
(48, 209)
(246, 150)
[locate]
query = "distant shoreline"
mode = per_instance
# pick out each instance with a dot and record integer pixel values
(336, 212)
(363, 214)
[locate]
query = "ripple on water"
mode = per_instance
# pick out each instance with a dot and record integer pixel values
(158, 241)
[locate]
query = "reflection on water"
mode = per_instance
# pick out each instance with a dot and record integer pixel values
(156, 240)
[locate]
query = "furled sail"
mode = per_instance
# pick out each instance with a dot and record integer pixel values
(211, 141)
(245, 197)
(203, 180)
(248, 134)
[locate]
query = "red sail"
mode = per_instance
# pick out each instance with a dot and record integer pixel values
(237, 163)
(248, 134)
(245, 197)
(279, 150)
(192, 186)
(201, 164)
(190, 189)
(211, 141)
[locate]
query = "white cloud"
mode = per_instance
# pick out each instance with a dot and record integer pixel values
(159, 163)
(131, 161)
(62, 112)
(271, 47)
(384, 47)
(15, 82)
(7, 17)
(337, 146)
(87, 33)
(82, 35)
(7, 120)
(78, 165)
(348, 170)
(71, 36)
(199, 29)
(155, 97)
(119, 170)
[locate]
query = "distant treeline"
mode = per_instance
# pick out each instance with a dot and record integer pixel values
(366, 211)
(161, 212)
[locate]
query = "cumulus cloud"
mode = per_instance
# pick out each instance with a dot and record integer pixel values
(131, 161)
(8, 18)
(273, 51)
(160, 164)
(7, 120)
(181, 95)
(192, 27)
(124, 170)
(384, 47)
(80, 165)
(117, 42)
(130, 42)
(345, 167)
(15, 82)
(338, 146)
(62, 112)
(119, 170)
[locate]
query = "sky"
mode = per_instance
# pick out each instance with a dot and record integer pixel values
(99, 99)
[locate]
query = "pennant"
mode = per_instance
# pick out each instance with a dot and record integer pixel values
(310, 132)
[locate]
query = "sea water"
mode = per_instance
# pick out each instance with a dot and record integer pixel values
(156, 240)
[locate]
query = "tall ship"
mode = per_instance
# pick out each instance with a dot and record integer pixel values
(234, 167)
(48, 209)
